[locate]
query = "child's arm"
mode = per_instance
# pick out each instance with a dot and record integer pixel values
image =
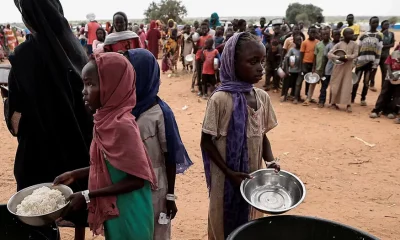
(268, 156)
(68, 178)
(208, 146)
(128, 184)
(267, 151)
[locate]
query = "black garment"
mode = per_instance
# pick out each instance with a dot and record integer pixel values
(307, 67)
(207, 79)
(289, 82)
(365, 70)
(383, 67)
(324, 87)
(388, 99)
(45, 86)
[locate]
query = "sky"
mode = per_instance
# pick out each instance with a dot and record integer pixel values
(77, 9)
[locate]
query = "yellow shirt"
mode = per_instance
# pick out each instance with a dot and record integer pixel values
(355, 27)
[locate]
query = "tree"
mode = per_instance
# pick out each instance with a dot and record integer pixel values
(300, 11)
(392, 20)
(165, 10)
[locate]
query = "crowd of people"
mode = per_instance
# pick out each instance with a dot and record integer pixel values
(289, 59)
(119, 146)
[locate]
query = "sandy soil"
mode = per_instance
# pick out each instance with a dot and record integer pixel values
(346, 180)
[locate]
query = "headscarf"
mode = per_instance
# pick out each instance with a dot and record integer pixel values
(147, 85)
(114, 129)
(47, 69)
(152, 25)
(236, 209)
(125, 19)
(215, 17)
(91, 17)
(52, 31)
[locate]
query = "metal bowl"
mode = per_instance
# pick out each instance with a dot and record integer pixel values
(38, 220)
(340, 53)
(312, 77)
(273, 193)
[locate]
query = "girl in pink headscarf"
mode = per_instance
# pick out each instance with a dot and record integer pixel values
(121, 176)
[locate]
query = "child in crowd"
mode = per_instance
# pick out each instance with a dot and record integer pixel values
(234, 140)
(219, 36)
(292, 67)
(242, 25)
(318, 65)
(199, 47)
(121, 176)
(274, 58)
(187, 47)
(99, 42)
(307, 59)
(368, 58)
(208, 76)
(389, 99)
(160, 135)
(171, 53)
(328, 66)
(341, 81)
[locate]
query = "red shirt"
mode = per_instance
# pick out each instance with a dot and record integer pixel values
(201, 43)
(208, 65)
(91, 30)
(393, 63)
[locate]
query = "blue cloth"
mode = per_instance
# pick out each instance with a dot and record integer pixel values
(215, 17)
(147, 87)
(236, 209)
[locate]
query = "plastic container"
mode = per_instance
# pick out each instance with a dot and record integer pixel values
(287, 227)
(13, 229)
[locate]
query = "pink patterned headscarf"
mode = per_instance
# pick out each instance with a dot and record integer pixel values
(115, 135)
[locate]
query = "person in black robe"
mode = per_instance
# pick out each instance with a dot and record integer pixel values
(45, 109)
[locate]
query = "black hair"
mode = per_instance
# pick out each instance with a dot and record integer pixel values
(384, 21)
(311, 28)
(101, 29)
(243, 38)
(350, 15)
(123, 16)
(374, 17)
(204, 24)
(241, 21)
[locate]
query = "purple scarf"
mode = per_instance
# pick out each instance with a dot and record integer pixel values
(236, 209)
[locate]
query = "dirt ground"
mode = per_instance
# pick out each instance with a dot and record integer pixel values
(346, 180)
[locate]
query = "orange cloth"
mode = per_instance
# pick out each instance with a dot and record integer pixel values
(200, 45)
(91, 30)
(308, 48)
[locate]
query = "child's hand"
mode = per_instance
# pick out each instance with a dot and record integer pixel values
(77, 201)
(171, 209)
(66, 178)
(274, 165)
(237, 177)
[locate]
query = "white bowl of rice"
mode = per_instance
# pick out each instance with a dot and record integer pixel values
(41, 204)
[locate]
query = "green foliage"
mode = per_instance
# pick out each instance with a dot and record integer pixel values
(166, 9)
(392, 20)
(297, 11)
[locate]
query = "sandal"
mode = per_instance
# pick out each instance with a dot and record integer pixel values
(349, 109)
(283, 99)
(321, 105)
(334, 106)
(306, 103)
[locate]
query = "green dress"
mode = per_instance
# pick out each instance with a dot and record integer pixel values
(136, 217)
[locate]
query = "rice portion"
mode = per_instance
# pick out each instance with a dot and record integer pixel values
(42, 201)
